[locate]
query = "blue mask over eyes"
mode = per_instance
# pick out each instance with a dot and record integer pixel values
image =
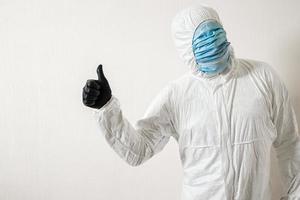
(210, 47)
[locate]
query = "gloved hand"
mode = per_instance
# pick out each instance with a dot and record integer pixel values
(96, 93)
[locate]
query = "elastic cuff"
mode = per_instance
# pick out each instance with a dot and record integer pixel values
(108, 105)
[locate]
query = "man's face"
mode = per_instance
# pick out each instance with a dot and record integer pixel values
(210, 46)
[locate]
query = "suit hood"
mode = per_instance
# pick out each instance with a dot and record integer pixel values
(184, 25)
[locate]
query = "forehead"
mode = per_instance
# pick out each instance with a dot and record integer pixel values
(207, 25)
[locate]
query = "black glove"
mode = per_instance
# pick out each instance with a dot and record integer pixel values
(96, 93)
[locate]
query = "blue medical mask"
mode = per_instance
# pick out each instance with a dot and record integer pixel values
(210, 47)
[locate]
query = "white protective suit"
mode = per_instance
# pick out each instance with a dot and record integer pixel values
(225, 125)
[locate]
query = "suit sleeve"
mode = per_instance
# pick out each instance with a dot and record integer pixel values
(287, 142)
(136, 144)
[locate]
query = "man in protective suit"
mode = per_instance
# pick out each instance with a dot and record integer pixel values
(226, 114)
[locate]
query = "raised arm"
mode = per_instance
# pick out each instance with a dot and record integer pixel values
(136, 144)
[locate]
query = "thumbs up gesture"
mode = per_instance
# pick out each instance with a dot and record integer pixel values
(96, 93)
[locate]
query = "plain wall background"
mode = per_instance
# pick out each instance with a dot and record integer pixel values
(50, 145)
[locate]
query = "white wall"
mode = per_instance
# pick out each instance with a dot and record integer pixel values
(50, 147)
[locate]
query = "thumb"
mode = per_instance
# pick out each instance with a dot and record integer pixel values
(100, 73)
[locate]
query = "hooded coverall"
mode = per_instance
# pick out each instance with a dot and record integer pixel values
(225, 125)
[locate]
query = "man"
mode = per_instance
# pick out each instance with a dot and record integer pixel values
(226, 114)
